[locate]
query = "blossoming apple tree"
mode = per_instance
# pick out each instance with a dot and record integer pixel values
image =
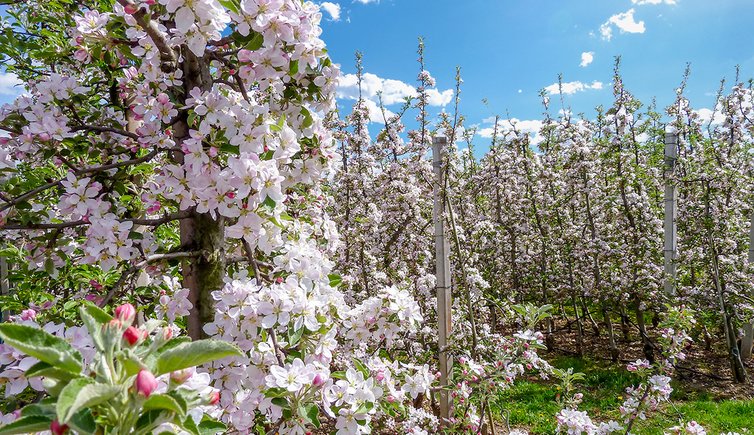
(171, 153)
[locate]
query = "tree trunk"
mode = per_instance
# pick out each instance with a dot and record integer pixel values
(579, 328)
(614, 353)
(205, 274)
(624, 326)
(201, 232)
(646, 345)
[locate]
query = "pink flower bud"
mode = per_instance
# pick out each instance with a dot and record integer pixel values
(167, 333)
(390, 398)
(380, 376)
(58, 429)
(181, 376)
(125, 313)
(130, 8)
(131, 335)
(28, 314)
(214, 397)
(154, 208)
(145, 383)
(81, 55)
(318, 380)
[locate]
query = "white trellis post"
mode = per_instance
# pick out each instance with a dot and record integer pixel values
(442, 272)
(748, 341)
(671, 209)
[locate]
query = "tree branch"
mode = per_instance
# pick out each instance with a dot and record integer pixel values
(140, 265)
(167, 55)
(114, 130)
(84, 171)
(60, 225)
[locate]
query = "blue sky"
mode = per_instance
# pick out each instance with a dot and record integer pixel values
(511, 49)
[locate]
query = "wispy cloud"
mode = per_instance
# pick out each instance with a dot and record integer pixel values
(391, 91)
(587, 57)
(569, 88)
(624, 21)
(709, 116)
(654, 2)
(333, 9)
(10, 84)
(504, 126)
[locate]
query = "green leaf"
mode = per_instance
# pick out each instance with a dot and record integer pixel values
(43, 369)
(281, 402)
(45, 410)
(83, 393)
(293, 70)
(193, 354)
(165, 402)
(361, 367)
(230, 5)
(210, 426)
(188, 424)
(94, 327)
(295, 336)
(256, 42)
(29, 424)
(97, 313)
(308, 119)
(150, 420)
(311, 412)
(83, 422)
(335, 280)
(230, 148)
(42, 346)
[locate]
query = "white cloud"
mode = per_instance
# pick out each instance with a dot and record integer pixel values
(624, 22)
(392, 91)
(530, 127)
(437, 98)
(654, 2)
(587, 57)
(375, 113)
(333, 9)
(10, 84)
(570, 88)
(707, 116)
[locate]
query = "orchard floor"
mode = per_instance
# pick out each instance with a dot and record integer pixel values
(704, 391)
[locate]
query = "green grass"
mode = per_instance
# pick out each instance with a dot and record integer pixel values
(531, 404)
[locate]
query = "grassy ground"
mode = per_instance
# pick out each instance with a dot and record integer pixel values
(531, 404)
